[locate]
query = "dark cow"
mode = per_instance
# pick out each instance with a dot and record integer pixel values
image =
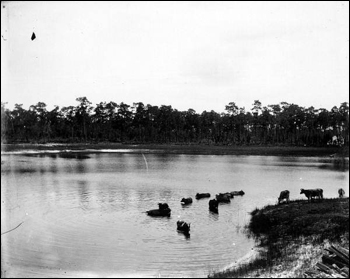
(183, 226)
(341, 192)
(186, 200)
(227, 194)
(163, 210)
(202, 195)
(310, 193)
(284, 195)
(225, 198)
(213, 205)
(237, 193)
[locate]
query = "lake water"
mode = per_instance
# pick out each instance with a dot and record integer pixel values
(85, 216)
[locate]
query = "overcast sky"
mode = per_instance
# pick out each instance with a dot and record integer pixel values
(199, 55)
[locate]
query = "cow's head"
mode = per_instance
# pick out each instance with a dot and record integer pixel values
(163, 206)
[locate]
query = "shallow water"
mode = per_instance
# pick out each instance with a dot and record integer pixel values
(84, 215)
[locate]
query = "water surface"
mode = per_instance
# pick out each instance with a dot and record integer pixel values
(84, 215)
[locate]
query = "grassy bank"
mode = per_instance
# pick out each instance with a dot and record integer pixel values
(190, 149)
(292, 238)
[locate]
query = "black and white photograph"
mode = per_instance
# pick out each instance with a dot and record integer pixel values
(174, 139)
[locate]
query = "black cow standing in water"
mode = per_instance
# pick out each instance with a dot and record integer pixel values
(163, 210)
(202, 195)
(237, 193)
(213, 205)
(224, 197)
(183, 226)
(186, 200)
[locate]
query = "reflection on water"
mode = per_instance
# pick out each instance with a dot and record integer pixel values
(338, 164)
(86, 217)
(66, 155)
(213, 215)
(184, 206)
(186, 235)
(83, 194)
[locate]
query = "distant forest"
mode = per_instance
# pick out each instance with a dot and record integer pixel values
(280, 124)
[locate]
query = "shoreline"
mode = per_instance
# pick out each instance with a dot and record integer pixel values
(190, 149)
(288, 247)
(252, 255)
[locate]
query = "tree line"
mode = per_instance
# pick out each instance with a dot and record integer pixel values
(283, 123)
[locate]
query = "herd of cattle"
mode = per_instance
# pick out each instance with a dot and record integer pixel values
(164, 210)
(309, 193)
(184, 227)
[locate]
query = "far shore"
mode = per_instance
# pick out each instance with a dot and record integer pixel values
(262, 150)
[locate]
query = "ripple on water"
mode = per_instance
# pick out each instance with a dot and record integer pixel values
(88, 216)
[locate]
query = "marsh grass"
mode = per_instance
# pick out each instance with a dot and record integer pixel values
(292, 237)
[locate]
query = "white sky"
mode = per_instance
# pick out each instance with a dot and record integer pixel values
(199, 55)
